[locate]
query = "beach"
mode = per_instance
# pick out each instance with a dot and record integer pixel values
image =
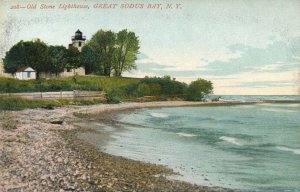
(40, 151)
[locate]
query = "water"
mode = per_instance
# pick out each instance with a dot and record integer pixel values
(258, 97)
(251, 147)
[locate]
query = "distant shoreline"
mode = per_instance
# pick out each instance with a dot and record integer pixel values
(157, 104)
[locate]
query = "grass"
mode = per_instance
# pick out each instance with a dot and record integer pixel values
(7, 103)
(84, 83)
(117, 89)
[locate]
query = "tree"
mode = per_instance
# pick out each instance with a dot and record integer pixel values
(37, 55)
(73, 59)
(27, 54)
(127, 47)
(57, 59)
(197, 89)
(103, 45)
(89, 61)
(15, 58)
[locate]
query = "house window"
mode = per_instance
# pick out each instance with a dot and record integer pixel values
(79, 44)
(28, 74)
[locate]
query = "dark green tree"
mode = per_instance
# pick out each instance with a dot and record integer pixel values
(73, 59)
(127, 47)
(103, 45)
(37, 55)
(197, 89)
(30, 54)
(15, 58)
(57, 59)
(89, 61)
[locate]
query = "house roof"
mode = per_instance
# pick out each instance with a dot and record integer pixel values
(28, 69)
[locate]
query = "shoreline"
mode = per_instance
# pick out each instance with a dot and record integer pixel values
(38, 155)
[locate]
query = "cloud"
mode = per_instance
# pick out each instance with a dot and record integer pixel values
(142, 56)
(151, 67)
(260, 84)
(283, 82)
(277, 56)
(272, 69)
(161, 70)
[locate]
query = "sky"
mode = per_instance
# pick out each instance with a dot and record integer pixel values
(243, 47)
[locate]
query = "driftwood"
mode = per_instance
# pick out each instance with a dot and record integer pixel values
(58, 122)
(49, 107)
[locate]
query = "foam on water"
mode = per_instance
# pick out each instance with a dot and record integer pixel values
(260, 97)
(159, 115)
(227, 146)
(279, 105)
(295, 151)
(293, 105)
(186, 134)
(279, 110)
(231, 140)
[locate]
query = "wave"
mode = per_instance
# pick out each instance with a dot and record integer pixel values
(244, 106)
(295, 151)
(185, 134)
(231, 140)
(293, 105)
(279, 110)
(159, 115)
(279, 105)
(233, 100)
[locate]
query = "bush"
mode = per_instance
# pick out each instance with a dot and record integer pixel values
(117, 88)
(114, 96)
(161, 86)
(197, 89)
(143, 89)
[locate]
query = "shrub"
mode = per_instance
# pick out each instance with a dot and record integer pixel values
(197, 89)
(163, 86)
(84, 83)
(143, 89)
(114, 96)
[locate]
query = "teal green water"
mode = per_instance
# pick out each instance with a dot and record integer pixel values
(251, 147)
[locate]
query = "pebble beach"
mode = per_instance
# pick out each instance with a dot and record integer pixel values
(40, 151)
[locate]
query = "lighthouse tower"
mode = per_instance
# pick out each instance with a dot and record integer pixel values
(78, 40)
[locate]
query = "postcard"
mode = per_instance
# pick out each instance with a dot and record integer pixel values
(162, 95)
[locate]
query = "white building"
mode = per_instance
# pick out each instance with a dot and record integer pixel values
(78, 40)
(25, 73)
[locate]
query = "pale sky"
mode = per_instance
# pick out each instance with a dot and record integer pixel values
(243, 47)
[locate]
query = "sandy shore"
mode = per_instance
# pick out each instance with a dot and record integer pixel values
(36, 155)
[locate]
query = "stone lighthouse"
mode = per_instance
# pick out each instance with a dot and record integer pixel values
(78, 40)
